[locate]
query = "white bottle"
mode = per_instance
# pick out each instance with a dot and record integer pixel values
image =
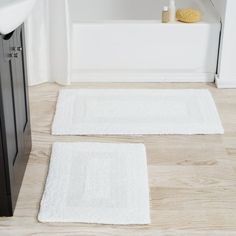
(165, 14)
(172, 11)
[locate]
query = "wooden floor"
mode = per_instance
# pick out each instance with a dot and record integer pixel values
(192, 178)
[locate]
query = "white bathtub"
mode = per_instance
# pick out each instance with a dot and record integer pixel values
(125, 41)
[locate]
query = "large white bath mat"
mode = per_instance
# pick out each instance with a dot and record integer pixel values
(134, 112)
(96, 183)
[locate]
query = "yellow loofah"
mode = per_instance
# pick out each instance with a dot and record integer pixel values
(188, 15)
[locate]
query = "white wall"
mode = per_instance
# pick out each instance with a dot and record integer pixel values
(226, 77)
(48, 42)
(220, 5)
(37, 32)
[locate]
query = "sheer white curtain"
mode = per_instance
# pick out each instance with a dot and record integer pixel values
(48, 42)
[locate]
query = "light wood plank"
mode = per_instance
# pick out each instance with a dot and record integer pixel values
(192, 178)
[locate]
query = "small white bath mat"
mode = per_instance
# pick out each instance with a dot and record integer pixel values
(96, 183)
(134, 112)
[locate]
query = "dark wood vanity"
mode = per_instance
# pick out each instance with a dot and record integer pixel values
(15, 132)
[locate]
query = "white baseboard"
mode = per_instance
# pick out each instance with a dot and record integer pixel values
(230, 82)
(136, 76)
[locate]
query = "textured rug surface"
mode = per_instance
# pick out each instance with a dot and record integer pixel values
(136, 112)
(96, 183)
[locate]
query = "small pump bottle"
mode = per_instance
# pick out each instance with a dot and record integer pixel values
(165, 15)
(172, 11)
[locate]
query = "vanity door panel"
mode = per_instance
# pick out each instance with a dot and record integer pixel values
(15, 120)
(20, 90)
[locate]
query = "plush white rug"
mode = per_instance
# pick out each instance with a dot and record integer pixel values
(96, 183)
(134, 112)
